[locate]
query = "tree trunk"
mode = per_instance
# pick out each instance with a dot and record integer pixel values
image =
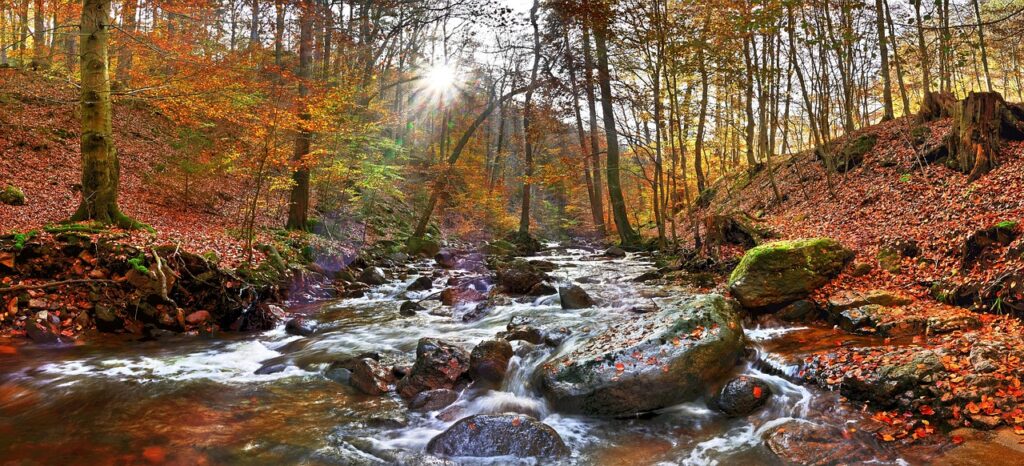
(981, 43)
(524, 217)
(298, 207)
(595, 146)
(254, 24)
(100, 167)
(922, 50)
(39, 61)
(627, 235)
(936, 105)
(124, 59)
(883, 52)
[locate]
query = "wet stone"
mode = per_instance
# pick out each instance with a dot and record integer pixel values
(741, 396)
(433, 400)
(499, 435)
(300, 326)
(421, 284)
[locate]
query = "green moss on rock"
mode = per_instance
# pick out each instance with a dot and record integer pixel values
(784, 271)
(12, 196)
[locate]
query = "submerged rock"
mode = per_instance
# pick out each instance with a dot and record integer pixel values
(438, 365)
(741, 396)
(785, 271)
(647, 362)
(489, 361)
(798, 311)
(574, 297)
(501, 435)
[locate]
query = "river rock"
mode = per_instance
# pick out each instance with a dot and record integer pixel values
(574, 297)
(742, 396)
(446, 259)
(798, 311)
(614, 252)
(647, 362)
(782, 272)
(485, 435)
(370, 377)
(519, 328)
(519, 277)
(488, 361)
(409, 308)
(542, 289)
(300, 326)
(647, 276)
(421, 284)
(433, 400)
(800, 442)
(42, 332)
(438, 365)
(852, 299)
(373, 276)
(884, 384)
(453, 296)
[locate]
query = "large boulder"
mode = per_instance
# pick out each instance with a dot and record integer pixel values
(438, 365)
(574, 297)
(884, 385)
(433, 400)
(648, 361)
(370, 377)
(420, 284)
(782, 272)
(485, 435)
(422, 246)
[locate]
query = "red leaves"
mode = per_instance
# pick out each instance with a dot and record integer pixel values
(757, 392)
(926, 410)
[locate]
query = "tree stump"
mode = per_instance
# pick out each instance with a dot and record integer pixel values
(936, 105)
(980, 122)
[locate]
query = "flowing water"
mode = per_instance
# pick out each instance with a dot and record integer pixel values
(197, 400)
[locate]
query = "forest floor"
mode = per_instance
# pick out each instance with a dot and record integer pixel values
(39, 143)
(950, 354)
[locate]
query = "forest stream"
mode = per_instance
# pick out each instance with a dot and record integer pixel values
(198, 400)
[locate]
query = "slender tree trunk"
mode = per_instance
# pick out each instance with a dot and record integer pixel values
(981, 43)
(298, 207)
(524, 218)
(595, 146)
(124, 59)
(698, 146)
(922, 50)
(883, 52)
(627, 235)
(896, 58)
(254, 24)
(581, 134)
(280, 10)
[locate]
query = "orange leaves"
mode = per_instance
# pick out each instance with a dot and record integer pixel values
(757, 392)
(619, 367)
(926, 410)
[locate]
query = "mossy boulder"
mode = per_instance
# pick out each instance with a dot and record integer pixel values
(647, 362)
(779, 273)
(12, 196)
(499, 247)
(426, 247)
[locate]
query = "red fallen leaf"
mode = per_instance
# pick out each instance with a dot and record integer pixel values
(620, 367)
(471, 426)
(757, 392)
(516, 421)
(154, 455)
(1019, 430)
(972, 408)
(926, 410)
(957, 440)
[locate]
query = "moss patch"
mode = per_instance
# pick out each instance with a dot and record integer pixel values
(12, 196)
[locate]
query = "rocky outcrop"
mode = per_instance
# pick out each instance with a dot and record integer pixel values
(501, 435)
(647, 362)
(438, 365)
(779, 273)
